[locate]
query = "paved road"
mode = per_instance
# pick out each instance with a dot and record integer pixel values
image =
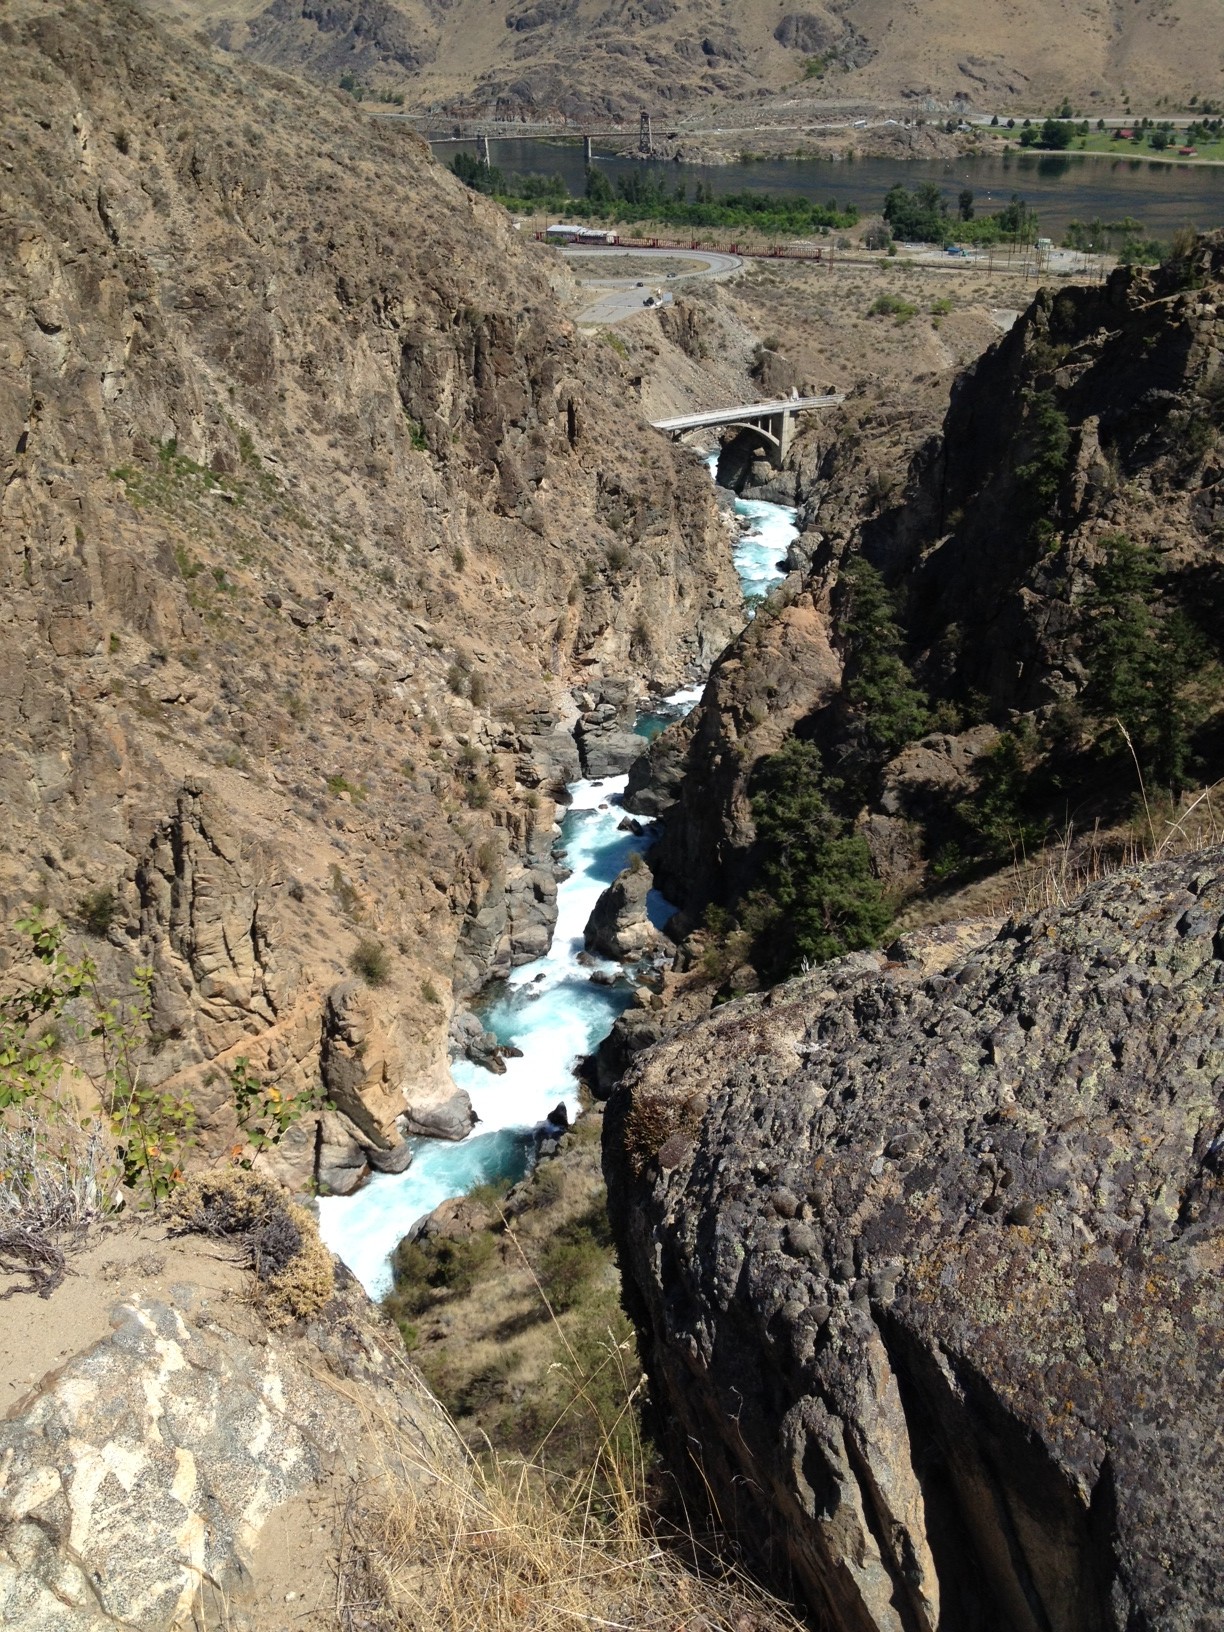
(619, 298)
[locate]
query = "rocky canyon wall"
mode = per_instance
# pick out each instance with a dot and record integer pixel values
(923, 1253)
(314, 509)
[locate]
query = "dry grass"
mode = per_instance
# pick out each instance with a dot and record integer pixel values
(279, 1238)
(56, 1177)
(1061, 872)
(504, 1546)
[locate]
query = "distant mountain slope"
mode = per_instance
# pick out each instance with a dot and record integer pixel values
(591, 58)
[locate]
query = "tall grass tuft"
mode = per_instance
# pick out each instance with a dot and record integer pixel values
(499, 1544)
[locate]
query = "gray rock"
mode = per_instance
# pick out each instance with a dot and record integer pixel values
(450, 1117)
(618, 926)
(139, 1475)
(972, 1382)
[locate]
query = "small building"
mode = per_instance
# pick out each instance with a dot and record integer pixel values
(1187, 152)
(565, 233)
(1125, 135)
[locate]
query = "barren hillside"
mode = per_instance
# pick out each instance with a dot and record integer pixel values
(700, 60)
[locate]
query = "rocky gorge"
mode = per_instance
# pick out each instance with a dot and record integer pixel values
(344, 585)
(940, 643)
(315, 508)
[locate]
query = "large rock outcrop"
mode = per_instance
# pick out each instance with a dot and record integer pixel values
(927, 1269)
(168, 1460)
(619, 925)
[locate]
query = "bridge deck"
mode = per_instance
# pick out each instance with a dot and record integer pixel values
(748, 410)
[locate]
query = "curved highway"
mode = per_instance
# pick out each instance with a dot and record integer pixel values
(622, 297)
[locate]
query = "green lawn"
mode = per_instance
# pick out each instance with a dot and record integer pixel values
(1103, 141)
(1098, 141)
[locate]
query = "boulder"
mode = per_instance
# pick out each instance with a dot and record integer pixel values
(607, 742)
(608, 749)
(618, 926)
(171, 1461)
(470, 1041)
(531, 908)
(448, 1116)
(927, 1265)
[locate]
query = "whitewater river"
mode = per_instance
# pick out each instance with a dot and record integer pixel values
(548, 1008)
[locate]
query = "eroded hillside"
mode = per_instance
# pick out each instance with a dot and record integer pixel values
(314, 504)
(591, 60)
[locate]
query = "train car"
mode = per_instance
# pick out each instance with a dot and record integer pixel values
(565, 233)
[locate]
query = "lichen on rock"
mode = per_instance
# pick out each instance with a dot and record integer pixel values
(925, 1265)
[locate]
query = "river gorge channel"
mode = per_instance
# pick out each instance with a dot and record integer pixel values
(550, 1009)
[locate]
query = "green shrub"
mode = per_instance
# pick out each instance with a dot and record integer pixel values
(1144, 659)
(1041, 476)
(97, 910)
(994, 812)
(892, 306)
(819, 897)
(882, 709)
(426, 1271)
(369, 960)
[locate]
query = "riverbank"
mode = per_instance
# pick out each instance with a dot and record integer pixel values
(551, 1009)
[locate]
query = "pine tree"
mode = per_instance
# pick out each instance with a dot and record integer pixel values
(1140, 659)
(820, 897)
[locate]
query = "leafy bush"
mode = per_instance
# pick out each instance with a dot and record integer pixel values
(369, 960)
(892, 306)
(426, 1271)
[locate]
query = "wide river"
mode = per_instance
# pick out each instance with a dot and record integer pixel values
(1061, 187)
(549, 1008)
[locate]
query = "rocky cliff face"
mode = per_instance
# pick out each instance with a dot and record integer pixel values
(1098, 415)
(925, 1267)
(314, 507)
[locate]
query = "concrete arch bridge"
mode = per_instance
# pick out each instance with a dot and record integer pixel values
(773, 422)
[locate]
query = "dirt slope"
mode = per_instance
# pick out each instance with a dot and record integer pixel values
(591, 59)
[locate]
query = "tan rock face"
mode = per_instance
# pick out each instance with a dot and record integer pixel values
(301, 547)
(924, 1249)
(587, 61)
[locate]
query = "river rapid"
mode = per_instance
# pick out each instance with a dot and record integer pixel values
(549, 1008)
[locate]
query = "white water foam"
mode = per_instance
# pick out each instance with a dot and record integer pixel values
(549, 1008)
